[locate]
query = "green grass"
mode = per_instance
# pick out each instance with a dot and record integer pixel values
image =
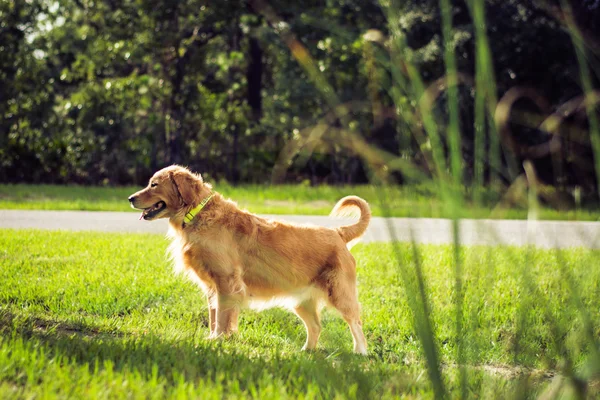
(93, 315)
(405, 201)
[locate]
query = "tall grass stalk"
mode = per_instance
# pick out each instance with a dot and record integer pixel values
(453, 129)
(485, 93)
(418, 303)
(456, 170)
(407, 82)
(531, 291)
(586, 84)
(414, 101)
(481, 73)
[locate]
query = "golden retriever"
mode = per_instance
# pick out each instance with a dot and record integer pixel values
(242, 260)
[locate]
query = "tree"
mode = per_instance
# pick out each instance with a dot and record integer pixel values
(108, 91)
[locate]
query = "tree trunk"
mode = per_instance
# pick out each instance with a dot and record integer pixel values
(254, 77)
(234, 45)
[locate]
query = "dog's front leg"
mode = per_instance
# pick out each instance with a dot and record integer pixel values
(228, 311)
(230, 296)
(212, 315)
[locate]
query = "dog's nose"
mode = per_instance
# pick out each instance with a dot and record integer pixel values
(131, 199)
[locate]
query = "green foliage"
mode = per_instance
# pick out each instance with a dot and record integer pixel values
(107, 92)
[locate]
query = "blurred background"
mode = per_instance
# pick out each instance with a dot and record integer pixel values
(107, 92)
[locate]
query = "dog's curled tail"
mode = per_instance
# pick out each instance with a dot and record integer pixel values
(351, 206)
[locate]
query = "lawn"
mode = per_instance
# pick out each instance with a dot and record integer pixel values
(95, 315)
(404, 201)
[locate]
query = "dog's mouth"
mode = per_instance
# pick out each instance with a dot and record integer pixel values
(151, 212)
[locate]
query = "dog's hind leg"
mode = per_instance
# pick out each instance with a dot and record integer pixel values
(360, 343)
(309, 314)
(343, 296)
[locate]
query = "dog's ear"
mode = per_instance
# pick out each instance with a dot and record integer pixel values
(187, 186)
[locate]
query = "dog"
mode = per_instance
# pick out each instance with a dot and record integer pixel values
(242, 260)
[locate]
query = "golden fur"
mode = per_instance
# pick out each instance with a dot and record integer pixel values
(242, 260)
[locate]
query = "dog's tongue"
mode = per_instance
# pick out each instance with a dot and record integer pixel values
(141, 216)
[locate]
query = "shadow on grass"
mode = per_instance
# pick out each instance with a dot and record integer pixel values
(214, 361)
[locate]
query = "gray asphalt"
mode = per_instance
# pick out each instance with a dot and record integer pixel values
(544, 234)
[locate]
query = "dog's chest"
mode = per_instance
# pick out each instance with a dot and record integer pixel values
(205, 257)
(177, 250)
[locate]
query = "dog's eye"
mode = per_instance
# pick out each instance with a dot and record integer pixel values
(153, 184)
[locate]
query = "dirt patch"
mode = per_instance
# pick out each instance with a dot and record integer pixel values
(64, 329)
(39, 326)
(510, 371)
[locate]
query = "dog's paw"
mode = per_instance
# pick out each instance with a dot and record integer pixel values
(222, 335)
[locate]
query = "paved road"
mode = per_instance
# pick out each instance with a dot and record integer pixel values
(546, 234)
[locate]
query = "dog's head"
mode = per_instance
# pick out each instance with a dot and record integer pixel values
(171, 192)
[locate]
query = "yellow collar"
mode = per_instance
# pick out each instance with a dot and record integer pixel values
(189, 217)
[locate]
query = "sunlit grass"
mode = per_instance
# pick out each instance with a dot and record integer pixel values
(412, 201)
(102, 315)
